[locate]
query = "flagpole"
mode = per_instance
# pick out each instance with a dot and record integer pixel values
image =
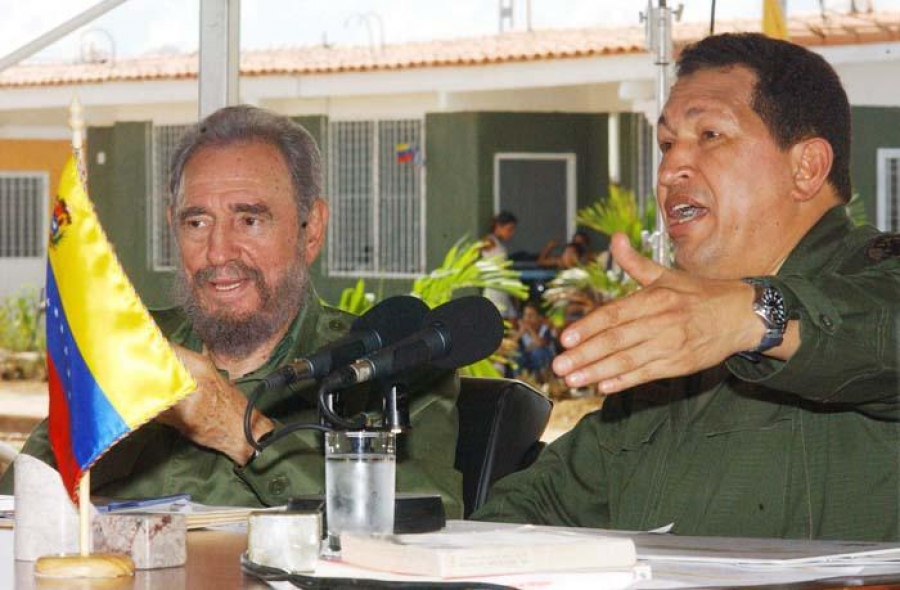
(84, 514)
(76, 122)
(84, 564)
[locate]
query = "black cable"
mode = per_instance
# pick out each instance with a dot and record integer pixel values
(712, 18)
(360, 421)
(248, 413)
(271, 437)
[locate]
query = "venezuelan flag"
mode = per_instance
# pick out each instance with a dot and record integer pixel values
(405, 152)
(109, 367)
(775, 19)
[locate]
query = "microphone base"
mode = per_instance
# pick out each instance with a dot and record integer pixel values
(413, 513)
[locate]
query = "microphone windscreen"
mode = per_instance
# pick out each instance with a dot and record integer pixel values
(474, 326)
(394, 318)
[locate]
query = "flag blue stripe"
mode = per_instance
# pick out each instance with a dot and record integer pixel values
(94, 422)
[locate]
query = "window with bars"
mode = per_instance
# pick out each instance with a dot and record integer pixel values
(377, 198)
(888, 214)
(162, 247)
(23, 213)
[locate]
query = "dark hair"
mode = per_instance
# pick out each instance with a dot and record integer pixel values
(579, 248)
(503, 218)
(798, 95)
(243, 124)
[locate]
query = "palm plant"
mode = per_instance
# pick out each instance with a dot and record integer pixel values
(462, 268)
(619, 212)
(856, 210)
(593, 284)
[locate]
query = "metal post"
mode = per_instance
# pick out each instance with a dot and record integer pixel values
(220, 52)
(659, 40)
(57, 33)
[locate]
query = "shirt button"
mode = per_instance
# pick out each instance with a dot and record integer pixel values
(277, 486)
(336, 325)
(826, 321)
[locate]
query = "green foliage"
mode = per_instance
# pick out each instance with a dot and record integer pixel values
(619, 212)
(462, 268)
(21, 328)
(590, 285)
(356, 300)
(856, 210)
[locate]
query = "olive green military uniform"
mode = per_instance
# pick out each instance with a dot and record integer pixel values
(808, 448)
(156, 460)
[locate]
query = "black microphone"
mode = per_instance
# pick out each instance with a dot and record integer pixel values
(456, 334)
(384, 324)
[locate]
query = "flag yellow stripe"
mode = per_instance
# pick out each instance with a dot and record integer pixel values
(121, 345)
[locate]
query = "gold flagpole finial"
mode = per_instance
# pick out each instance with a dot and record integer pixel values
(76, 122)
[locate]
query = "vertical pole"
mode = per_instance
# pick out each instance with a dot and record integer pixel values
(220, 47)
(84, 514)
(659, 39)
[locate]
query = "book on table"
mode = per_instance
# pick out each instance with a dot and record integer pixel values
(486, 553)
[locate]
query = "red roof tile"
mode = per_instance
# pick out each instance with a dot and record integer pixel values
(810, 30)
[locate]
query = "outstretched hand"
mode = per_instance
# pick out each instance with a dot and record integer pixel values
(676, 324)
(212, 416)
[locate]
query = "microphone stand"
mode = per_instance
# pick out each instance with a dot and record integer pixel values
(395, 408)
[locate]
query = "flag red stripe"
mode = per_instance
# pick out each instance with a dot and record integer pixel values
(60, 433)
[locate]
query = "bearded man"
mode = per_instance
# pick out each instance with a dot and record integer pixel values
(246, 209)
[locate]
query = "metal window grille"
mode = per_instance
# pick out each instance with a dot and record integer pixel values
(162, 247)
(376, 181)
(889, 189)
(23, 213)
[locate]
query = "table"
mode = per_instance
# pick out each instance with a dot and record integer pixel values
(213, 561)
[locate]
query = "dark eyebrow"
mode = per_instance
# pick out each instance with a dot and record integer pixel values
(254, 208)
(190, 212)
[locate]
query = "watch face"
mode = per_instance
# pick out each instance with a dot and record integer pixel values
(774, 306)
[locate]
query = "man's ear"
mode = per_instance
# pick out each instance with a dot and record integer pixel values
(314, 234)
(811, 160)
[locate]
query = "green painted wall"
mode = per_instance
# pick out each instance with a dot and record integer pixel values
(873, 128)
(461, 149)
(119, 189)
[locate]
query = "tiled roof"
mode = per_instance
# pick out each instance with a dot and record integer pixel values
(810, 30)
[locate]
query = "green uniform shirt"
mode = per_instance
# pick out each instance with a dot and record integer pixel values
(156, 460)
(808, 448)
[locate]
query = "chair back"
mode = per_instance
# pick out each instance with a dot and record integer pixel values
(500, 425)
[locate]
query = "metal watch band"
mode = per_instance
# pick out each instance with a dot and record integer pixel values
(768, 304)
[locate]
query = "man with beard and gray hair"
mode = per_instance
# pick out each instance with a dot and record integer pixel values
(248, 217)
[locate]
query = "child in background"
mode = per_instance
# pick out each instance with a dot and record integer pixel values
(536, 342)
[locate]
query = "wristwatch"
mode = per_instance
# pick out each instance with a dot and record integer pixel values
(768, 304)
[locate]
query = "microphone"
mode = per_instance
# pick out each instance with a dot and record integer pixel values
(455, 334)
(384, 324)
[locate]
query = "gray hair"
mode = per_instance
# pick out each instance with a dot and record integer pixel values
(245, 123)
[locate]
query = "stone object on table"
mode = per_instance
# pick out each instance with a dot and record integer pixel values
(288, 541)
(46, 519)
(151, 540)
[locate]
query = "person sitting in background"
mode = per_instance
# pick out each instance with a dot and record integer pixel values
(753, 389)
(536, 343)
(503, 227)
(247, 214)
(572, 255)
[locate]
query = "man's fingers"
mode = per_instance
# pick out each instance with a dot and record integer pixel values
(641, 269)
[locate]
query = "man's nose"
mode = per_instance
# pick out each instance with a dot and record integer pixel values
(222, 246)
(676, 164)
